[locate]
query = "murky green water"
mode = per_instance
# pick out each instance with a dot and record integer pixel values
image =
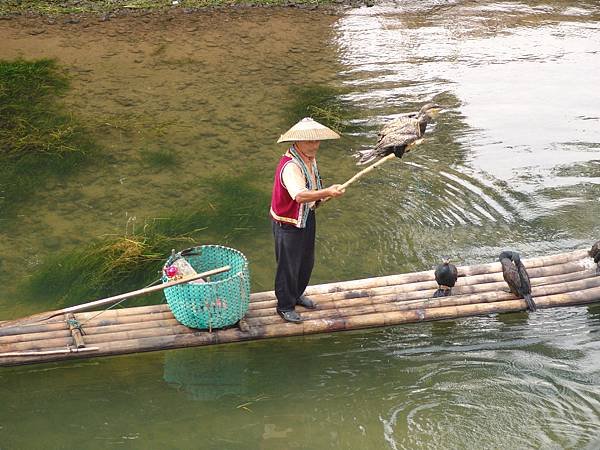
(513, 163)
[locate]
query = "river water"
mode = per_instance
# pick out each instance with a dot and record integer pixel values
(513, 163)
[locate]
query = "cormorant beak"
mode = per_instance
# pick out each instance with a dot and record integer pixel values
(433, 112)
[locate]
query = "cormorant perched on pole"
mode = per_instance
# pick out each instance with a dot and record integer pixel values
(445, 275)
(400, 133)
(516, 277)
(595, 253)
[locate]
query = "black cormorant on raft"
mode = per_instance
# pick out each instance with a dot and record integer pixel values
(446, 275)
(566, 279)
(398, 135)
(516, 277)
(595, 254)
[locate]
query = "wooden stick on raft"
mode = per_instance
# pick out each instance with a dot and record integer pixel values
(110, 300)
(60, 351)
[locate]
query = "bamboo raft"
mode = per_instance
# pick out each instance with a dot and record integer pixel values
(565, 279)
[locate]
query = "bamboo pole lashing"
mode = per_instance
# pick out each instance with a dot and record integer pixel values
(75, 330)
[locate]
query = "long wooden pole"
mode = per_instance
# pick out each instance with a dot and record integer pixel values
(61, 351)
(367, 170)
(110, 300)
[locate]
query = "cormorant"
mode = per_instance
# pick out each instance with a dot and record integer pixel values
(400, 133)
(445, 275)
(595, 252)
(516, 277)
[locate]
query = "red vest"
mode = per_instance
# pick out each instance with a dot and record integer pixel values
(284, 209)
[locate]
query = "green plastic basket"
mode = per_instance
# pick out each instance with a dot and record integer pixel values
(219, 303)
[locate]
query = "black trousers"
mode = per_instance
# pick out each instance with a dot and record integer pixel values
(295, 256)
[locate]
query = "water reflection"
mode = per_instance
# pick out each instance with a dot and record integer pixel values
(207, 374)
(461, 383)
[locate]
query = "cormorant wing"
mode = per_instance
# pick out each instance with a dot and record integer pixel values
(389, 141)
(409, 124)
(524, 282)
(511, 275)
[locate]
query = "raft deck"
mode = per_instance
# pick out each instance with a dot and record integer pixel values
(565, 279)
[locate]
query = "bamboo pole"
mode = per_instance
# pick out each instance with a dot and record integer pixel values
(369, 169)
(118, 319)
(134, 310)
(388, 303)
(34, 328)
(413, 277)
(165, 320)
(39, 336)
(346, 307)
(487, 281)
(133, 334)
(110, 300)
(365, 307)
(47, 352)
(345, 312)
(38, 345)
(324, 325)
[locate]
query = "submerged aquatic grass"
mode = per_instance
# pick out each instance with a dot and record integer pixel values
(118, 263)
(39, 139)
(321, 102)
(160, 158)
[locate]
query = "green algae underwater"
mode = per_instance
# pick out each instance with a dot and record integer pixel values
(41, 140)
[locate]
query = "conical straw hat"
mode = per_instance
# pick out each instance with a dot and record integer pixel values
(308, 130)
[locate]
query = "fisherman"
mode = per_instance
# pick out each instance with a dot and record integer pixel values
(297, 191)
